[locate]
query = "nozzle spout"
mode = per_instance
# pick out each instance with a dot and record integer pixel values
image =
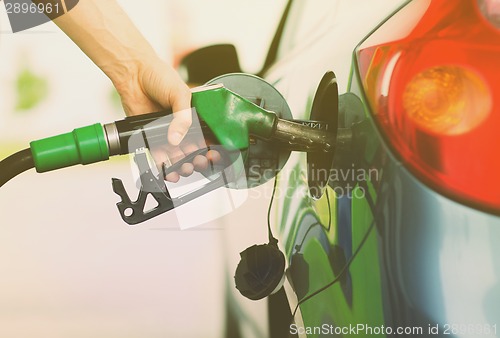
(302, 137)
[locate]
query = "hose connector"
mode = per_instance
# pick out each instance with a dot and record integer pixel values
(81, 146)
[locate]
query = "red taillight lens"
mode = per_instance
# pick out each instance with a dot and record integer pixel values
(436, 95)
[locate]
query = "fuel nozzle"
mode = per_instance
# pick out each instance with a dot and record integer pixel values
(232, 121)
(300, 136)
(241, 119)
(149, 131)
(224, 116)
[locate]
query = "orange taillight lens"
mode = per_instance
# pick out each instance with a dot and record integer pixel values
(447, 100)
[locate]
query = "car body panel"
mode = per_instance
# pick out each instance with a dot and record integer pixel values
(411, 269)
(391, 252)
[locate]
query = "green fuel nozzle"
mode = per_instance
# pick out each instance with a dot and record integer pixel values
(227, 116)
(98, 142)
(238, 127)
(254, 135)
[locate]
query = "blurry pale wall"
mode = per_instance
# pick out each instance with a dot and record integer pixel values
(69, 267)
(79, 93)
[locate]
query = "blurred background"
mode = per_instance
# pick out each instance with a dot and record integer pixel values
(69, 266)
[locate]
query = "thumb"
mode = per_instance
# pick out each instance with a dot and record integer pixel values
(179, 126)
(170, 91)
(181, 106)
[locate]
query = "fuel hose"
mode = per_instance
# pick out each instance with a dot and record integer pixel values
(81, 146)
(86, 145)
(97, 142)
(15, 164)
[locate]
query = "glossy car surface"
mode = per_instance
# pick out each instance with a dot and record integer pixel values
(396, 251)
(397, 242)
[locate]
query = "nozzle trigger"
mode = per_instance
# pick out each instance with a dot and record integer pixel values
(133, 212)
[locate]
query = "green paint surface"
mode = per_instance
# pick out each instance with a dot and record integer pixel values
(331, 305)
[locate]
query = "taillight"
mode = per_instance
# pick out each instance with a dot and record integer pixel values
(447, 100)
(435, 93)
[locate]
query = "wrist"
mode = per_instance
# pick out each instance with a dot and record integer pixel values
(125, 72)
(127, 77)
(122, 70)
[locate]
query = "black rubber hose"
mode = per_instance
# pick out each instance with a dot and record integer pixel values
(15, 164)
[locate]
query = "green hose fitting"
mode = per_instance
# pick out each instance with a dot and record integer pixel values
(233, 118)
(82, 146)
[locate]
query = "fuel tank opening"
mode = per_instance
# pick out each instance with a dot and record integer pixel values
(324, 113)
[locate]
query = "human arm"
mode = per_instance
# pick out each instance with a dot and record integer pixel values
(145, 83)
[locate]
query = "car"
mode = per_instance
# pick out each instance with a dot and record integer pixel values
(399, 238)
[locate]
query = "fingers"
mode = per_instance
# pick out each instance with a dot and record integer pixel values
(185, 170)
(213, 156)
(173, 177)
(176, 154)
(200, 163)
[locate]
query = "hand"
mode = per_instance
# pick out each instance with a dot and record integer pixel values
(145, 83)
(155, 86)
